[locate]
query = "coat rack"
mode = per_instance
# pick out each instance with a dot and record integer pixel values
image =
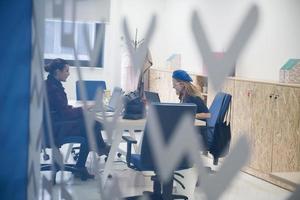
(140, 86)
(136, 42)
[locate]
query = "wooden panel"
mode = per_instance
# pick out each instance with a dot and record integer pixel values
(153, 79)
(298, 147)
(298, 132)
(286, 144)
(201, 82)
(168, 92)
(261, 134)
(161, 82)
(291, 178)
(272, 124)
(270, 178)
(228, 86)
(242, 102)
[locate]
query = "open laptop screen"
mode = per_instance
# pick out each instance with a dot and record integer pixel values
(113, 101)
(152, 97)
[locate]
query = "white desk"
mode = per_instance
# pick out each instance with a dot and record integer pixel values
(130, 125)
(122, 124)
(76, 103)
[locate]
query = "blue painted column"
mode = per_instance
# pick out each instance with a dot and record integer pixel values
(15, 61)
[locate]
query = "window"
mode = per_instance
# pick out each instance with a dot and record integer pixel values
(53, 47)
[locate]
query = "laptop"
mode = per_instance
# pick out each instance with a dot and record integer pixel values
(152, 97)
(113, 101)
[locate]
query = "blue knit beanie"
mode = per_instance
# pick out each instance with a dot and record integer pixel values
(182, 75)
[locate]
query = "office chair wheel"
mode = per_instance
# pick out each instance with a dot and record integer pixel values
(83, 178)
(46, 157)
(216, 161)
(209, 170)
(83, 174)
(75, 157)
(53, 178)
(75, 154)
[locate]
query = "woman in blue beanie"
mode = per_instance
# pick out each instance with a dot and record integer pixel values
(188, 93)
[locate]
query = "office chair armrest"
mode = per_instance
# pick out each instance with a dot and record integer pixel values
(179, 182)
(129, 141)
(178, 174)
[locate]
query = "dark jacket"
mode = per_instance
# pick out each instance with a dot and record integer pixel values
(58, 102)
(201, 107)
(67, 120)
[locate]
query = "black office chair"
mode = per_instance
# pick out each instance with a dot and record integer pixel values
(169, 116)
(58, 142)
(214, 142)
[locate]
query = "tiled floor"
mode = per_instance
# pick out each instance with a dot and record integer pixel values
(132, 183)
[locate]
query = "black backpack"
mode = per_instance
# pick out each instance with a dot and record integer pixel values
(134, 106)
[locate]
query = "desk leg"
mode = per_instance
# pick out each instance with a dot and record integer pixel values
(139, 144)
(111, 156)
(68, 152)
(135, 146)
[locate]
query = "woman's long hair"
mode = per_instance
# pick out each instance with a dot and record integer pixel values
(189, 89)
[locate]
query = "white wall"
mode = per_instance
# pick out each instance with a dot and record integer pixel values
(275, 39)
(273, 42)
(96, 10)
(138, 14)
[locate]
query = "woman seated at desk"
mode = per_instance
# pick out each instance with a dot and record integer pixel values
(60, 111)
(188, 93)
